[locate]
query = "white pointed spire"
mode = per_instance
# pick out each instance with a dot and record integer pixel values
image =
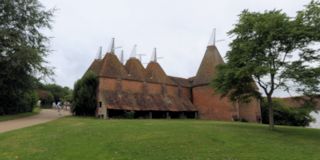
(111, 48)
(154, 55)
(212, 40)
(134, 52)
(99, 53)
(112, 45)
(122, 57)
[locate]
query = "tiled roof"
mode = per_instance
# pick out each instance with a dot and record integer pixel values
(112, 67)
(156, 74)
(207, 68)
(144, 102)
(181, 81)
(135, 69)
(95, 66)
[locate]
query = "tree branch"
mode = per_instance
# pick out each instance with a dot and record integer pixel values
(262, 85)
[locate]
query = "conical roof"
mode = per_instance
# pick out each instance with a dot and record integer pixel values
(207, 68)
(156, 74)
(95, 66)
(112, 67)
(135, 69)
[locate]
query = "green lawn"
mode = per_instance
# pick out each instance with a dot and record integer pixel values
(20, 115)
(89, 139)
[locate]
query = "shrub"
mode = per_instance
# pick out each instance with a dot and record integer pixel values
(286, 115)
(84, 100)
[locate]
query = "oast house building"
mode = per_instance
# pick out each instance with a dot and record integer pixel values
(150, 93)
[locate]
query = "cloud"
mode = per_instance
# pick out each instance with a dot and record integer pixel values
(180, 30)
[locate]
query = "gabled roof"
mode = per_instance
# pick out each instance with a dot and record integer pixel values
(207, 69)
(156, 74)
(135, 69)
(112, 67)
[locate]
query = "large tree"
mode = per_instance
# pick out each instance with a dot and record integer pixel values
(23, 48)
(59, 93)
(275, 51)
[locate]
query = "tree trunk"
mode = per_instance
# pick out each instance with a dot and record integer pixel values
(270, 106)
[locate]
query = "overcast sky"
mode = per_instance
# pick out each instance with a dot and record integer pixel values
(180, 29)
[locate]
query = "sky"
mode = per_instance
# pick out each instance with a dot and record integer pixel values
(179, 29)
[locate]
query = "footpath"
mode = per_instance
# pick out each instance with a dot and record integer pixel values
(44, 116)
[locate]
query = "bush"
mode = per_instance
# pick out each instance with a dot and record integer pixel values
(27, 102)
(32, 99)
(286, 115)
(84, 100)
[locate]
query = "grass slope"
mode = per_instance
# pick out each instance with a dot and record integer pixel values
(35, 111)
(86, 138)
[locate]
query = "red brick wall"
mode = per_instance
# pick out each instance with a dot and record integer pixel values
(172, 90)
(107, 84)
(154, 88)
(250, 111)
(132, 86)
(211, 106)
(185, 92)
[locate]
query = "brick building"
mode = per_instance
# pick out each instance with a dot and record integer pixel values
(150, 93)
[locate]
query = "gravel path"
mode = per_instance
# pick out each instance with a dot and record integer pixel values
(44, 116)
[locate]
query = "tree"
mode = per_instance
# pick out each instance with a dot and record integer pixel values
(85, 95)
(23, 48)
(49, 93)
(58, 92)
(274, 51)
(46, 98)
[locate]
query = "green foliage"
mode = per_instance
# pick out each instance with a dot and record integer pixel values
(286, 115)
(58, 92)
(234, 83)
(46, 98)
(49, 93)
(85, 95)
(262, 49)
(68, 97)
(22, 52)
(272, 49)
(32, 99)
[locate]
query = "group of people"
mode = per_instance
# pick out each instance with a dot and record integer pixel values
(60, 106)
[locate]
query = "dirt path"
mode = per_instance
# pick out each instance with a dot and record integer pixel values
(45, 115)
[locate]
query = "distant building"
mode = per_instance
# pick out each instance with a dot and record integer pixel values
(150, 93)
